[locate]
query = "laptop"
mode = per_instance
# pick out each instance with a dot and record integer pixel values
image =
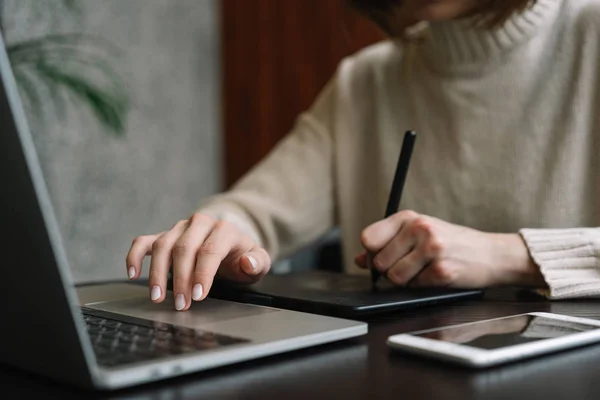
(336, 294)
(111, 336)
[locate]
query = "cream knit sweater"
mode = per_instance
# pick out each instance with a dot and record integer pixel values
(508, 125)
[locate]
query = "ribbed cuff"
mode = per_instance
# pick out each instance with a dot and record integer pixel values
(568, 259)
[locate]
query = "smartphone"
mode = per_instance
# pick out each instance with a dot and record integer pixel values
(501, 340)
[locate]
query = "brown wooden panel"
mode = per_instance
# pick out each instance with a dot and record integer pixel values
(276, 57)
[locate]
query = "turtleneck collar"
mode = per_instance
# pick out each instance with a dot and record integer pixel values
(456, 44)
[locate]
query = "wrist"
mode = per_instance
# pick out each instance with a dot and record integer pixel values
(515, 267)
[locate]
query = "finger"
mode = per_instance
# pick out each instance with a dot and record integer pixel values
(140, 248)
(223, 241)
(376, 236)
(251, 265)
(407, 268)
(361, 260)
(184, 258)
(436, 273)
(397, 248)
(433, 275)
(160, 262)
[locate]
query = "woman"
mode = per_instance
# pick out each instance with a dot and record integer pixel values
(503, 184)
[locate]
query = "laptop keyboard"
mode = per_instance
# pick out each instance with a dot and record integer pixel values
(119, 339)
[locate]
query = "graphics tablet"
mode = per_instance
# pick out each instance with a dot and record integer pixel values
(333, 294)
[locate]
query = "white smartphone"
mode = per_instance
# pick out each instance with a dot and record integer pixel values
(500, 340)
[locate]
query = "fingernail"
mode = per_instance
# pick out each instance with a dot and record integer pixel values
(253, 262)
(197, 292)
(179, 302)
(155, 292)
(131, 272)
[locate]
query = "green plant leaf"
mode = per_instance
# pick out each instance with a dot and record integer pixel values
(110, 108)
(68, 62)
(73, 65)
(73, 61)
(75, 42)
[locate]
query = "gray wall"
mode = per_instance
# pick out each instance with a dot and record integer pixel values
(106, 190)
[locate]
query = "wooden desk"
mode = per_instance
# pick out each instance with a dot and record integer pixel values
(365, 368)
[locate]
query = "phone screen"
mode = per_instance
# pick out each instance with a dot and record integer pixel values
(494, 334)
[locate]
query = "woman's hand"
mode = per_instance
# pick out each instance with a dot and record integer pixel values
(197, 249)
(422, 251)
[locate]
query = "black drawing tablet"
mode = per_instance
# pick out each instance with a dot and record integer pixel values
(333, 294)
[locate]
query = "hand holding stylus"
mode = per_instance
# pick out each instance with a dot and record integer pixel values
(417, 250)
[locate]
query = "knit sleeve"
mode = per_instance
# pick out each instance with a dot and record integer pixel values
(287, 200)
(569, 260)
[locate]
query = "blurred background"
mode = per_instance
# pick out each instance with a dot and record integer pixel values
(141, 108)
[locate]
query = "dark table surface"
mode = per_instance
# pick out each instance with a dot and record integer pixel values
(366, 368)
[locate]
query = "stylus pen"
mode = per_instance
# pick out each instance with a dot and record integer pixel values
(397, 187)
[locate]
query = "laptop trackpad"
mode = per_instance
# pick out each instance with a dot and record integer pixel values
(200, 314)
